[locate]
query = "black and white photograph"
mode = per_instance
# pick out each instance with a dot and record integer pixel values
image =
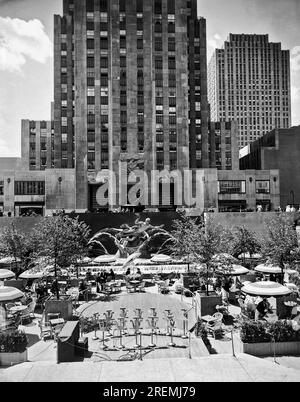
(149, 194)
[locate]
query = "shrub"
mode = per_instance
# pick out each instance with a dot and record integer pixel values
(88, 325)
(13, 342)
(258, 332)
(254, 332)
(282, 331)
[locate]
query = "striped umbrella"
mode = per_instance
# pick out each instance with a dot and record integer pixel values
(8, 293)
(6, 274)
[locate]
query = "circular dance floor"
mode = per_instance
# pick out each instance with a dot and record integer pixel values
(143, 301)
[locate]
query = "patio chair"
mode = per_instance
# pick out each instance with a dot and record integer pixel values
(31, 309)
(178, 288)
(164, 287)
(74, 296)
(218, 316)
(215, 328)
(141, 287)
(244, 311)
(25, 316)
(9, 306)
(129, 288)
(52, 316)
(118, 286)
(45, 329)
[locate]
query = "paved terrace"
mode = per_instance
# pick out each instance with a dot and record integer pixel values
(163, 364)
(219, 368)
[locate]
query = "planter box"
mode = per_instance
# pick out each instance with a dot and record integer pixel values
(281, 310)
(207, 304)
(64, 307)
(267, 348)
(9, 359)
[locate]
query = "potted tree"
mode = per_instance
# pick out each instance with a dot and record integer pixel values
(61, 240)
(198, 242)
(13, 348)
(280, 244)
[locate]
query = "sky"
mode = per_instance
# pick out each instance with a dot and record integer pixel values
(26, 55)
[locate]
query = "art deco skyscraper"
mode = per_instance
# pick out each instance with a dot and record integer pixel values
(249, 81)
(130, 84)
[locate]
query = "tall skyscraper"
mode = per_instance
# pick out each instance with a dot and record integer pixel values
(249, 81)
(130, 84)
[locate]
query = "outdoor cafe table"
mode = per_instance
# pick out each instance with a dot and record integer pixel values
(17, 309)
(135, 284)
(208, 318)
(56, 321)
(290, 305)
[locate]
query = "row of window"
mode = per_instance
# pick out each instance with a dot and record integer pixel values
(239, 187)
(29, 188)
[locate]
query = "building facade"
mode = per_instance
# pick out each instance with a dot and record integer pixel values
(278, 149)
(249, 82)
(37, 145)
(223, 145)
(131, 85)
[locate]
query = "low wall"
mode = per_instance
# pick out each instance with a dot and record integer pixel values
(24, 224)
(267, 348)
(254, 221)
(97, 221)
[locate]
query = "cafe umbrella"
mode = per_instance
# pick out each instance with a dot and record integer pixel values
(105, 259)
(8, 293)
(161, 258)
(266, 289)
(233, 270)
(6, 274)
(268, 269)
(9, 260)
(30, 274)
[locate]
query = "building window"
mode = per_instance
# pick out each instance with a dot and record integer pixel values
(1, 188)
(232, 187)
(262, 187)
(29, 188)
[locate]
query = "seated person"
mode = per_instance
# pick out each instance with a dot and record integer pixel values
(238, 283)
(263, 308)
(128, 272)
(112, 274)
(225, 295)
(138, 274)
(54, 287)
(89, 276)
